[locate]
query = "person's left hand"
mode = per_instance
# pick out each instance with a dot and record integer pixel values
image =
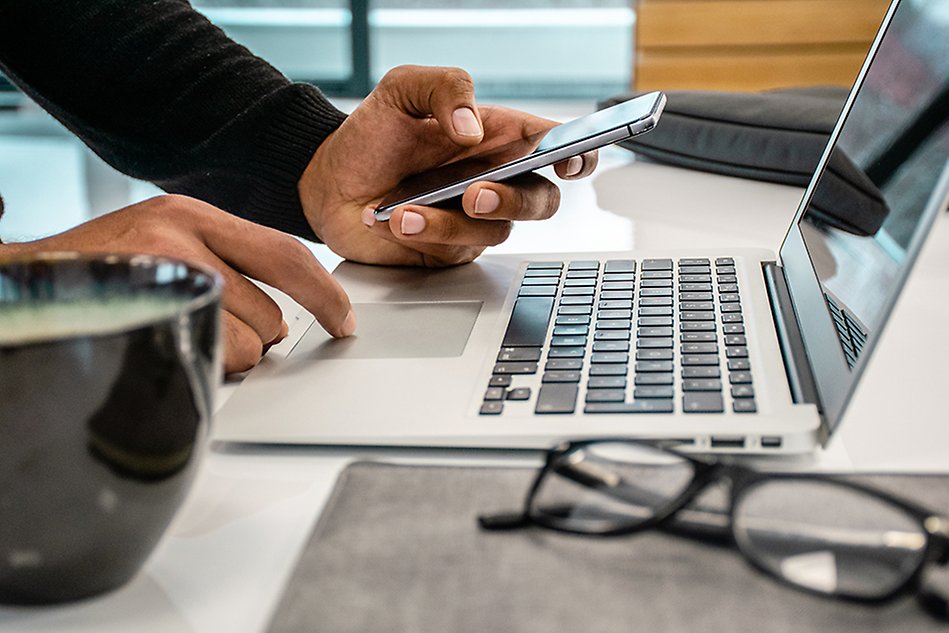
(417, 118)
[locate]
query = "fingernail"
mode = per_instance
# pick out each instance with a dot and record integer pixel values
(368, 216)
(487, 201)
(574, 165)
(465, 122)
(349, 324)
(412, 223)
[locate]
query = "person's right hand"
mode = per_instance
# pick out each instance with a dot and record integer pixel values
(196, 232)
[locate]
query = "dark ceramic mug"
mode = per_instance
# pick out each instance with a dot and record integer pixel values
(108, 368)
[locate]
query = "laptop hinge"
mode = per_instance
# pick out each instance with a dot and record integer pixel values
(800, 377)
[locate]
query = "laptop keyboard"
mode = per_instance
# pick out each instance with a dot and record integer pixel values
(618, 346)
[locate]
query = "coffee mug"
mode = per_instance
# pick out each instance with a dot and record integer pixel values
(108, 369)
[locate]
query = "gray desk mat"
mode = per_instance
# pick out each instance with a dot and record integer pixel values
(397, 549)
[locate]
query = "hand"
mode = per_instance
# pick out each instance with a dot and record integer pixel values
(196, 232)
(415, 119)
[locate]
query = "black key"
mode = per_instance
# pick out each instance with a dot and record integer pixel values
(618, 285)
(515, 368)
(736, 352)
(697, 316)
(654, 392)
(566, 352)
(725, 270)
(561, 376)
(607, 382)
(693, 287)
(610, 346)
(654, 343)
(733, 328)
(695, 296)
(657, 264)
(702, 384)
(697, 306)
(744, 405)
(619, 276)
(536, 265)
(556, 398)
(611, 335)
(528, 324)
(732, 318)
(584, 265)
(739, 378)
(616, 304)
(540, 281)
(739, 364)
(697, 326)
(698, 337)
(654, 322)
(609, 357)
(724, 261)
(702, 402)
(616, 294)
(554, 364)
(583, 300)
(492, 408)
(637, 406)
(730, 307)
(694, 270)
(568, 341)
(656, 283)
(520, 393)
(655, 311)
(726, 279)
(537, 291)
(728, 287)
(651, 366)
(693, 261)
(656, 274)
(571, 330)
(620, 266)
(651, 332)
(553, 274)
(582, 274)
(652, 379)
(578, 291)
(655, 292)
(606, 395)
(699, 348)
(528, 354)
(735, 339)
(574, 310)
(699, 359)
(654, 354)
(494, 393)
(739, 391)
(582, 282)
(701, 372)
(608, 370)
(500, 381)
(614, 314)
(573, 319)
(614, 324)
(696, 279)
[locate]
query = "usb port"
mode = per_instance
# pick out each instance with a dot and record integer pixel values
(770, 442)
(728, 442)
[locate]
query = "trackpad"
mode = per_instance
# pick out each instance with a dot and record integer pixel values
(426, 329)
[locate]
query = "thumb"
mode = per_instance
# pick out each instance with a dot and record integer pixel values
(445, 93)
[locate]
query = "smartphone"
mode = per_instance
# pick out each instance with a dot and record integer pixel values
(572, 138)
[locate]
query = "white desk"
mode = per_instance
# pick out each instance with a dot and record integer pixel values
(222, 563)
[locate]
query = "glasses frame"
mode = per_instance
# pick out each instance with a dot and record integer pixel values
(708, 470)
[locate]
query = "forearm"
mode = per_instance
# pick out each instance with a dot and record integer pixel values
(163, 95)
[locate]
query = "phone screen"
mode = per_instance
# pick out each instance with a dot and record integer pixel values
(544, 148)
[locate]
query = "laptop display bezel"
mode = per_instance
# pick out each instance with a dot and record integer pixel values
(835, 380)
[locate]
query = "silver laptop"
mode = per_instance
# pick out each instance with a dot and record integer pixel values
(739, 351)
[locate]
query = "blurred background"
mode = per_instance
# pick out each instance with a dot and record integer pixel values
(553, 57)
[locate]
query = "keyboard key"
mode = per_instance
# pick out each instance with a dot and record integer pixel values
(699, 279)
(574, 309)
(607, 382)
(655, 292)
(620, 266)
(656, 283)
(654, 322)
(739, 391)
(566, 352)
(654, 343)
(654, 354)
(619, 276)
(582, 274)
(652, 379)
(606, 395)
(693, 287)
(584, 265)
(537, 291)
(697, 326)
(656, 274)
(528, 354)
(540, 281)
(697, 316)
(500, 381)
(609, 357)
(654, 392)
(611, 335)
(693, 261)
(698, 337)
(614, 324)
(701, 372)
(657, 264)
(545, 265)
(583, 300)
(649, 366)
(739, 364)
(732, 318)
(736, 352)
(555, 364)
(614, 314)
(573, 319)
(637, 406)
(696, 296)
(694, 270)
(610, 346)
(726, 279)
(616, 294)
(608, 370)
(730, 307)
(556, 398)
(702, 384)
(699, 359)
(724, 261)
(528, 324)
(744, 405)
(739, 378)
(578, 291)
(581, 282)
(494, 393)
(697, 306)
(515, 368)
(553, 274)
(699, 348)
(571, 330)
(568, 341)
(735, 339)
(616, 304)
(655, 311)
(520, 393)
(618, 285)
(725, 270)
(733, 328)
(702, 402)
(651, 332)
(492, 408)
(561, 376)
(728, 287)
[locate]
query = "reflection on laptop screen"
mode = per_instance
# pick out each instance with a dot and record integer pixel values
(862, 221)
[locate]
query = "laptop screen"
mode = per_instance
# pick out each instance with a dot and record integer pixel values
(873, 201)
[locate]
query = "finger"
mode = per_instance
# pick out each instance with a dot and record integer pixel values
(577, 166)
(279, 261)
(527, 197)
(445, 93)
(409, 251)
(417, 225)
(242, 348)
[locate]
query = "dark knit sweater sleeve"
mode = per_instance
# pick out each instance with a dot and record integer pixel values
(163, 95)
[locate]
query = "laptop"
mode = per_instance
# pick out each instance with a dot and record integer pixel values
(739, 351)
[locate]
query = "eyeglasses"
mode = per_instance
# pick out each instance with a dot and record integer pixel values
(823, 535)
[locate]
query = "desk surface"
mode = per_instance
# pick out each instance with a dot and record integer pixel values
(222, 564)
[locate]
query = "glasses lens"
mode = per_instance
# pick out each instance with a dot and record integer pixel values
(609, 486)
(827, 537)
